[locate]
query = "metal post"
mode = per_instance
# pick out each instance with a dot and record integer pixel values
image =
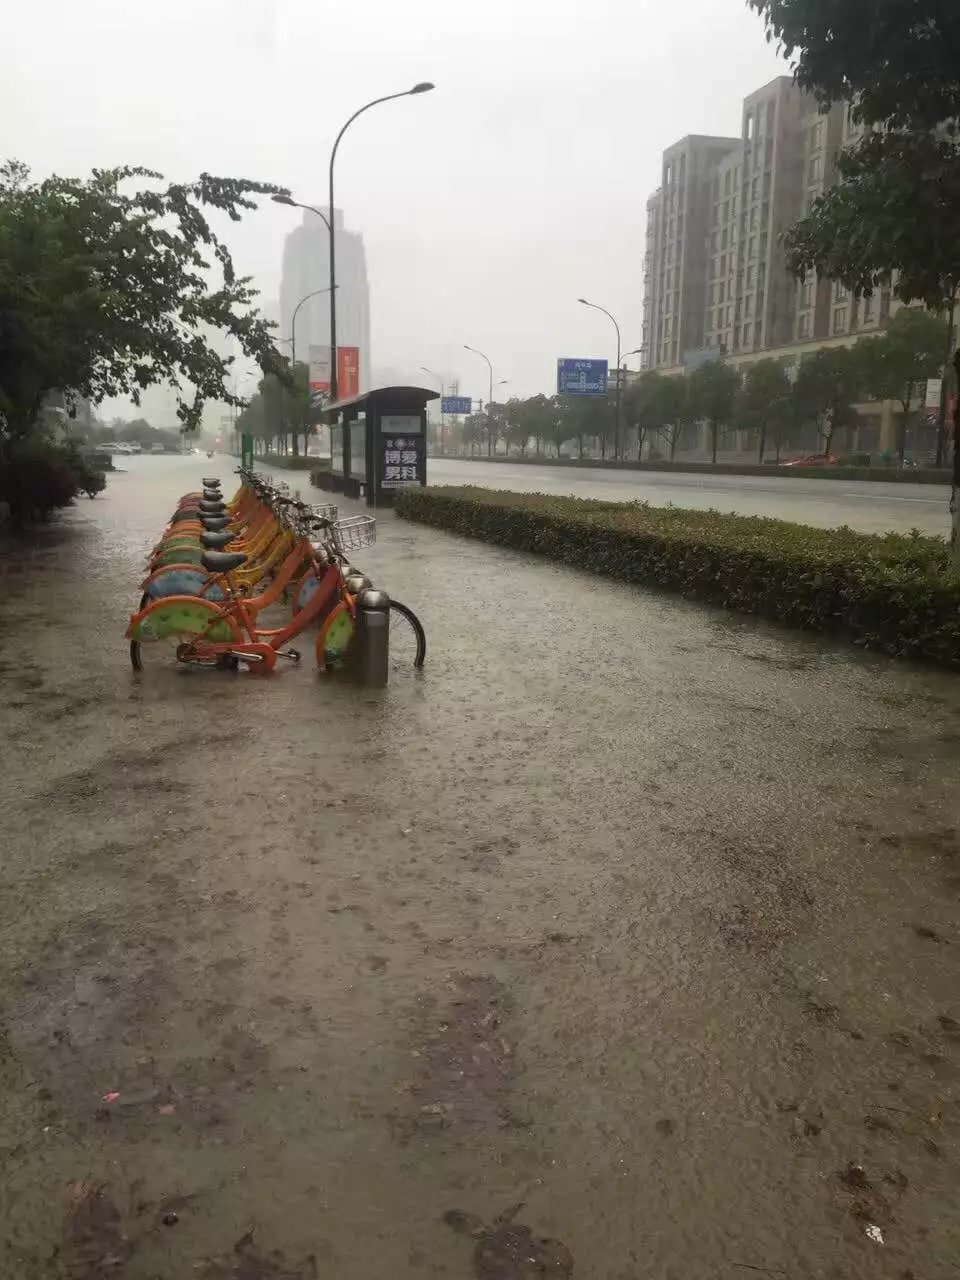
(373, 638)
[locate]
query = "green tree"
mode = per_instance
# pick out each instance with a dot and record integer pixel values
(712, 390)
(896, 58)
(653, 405)
(764, 402)
(105, 291)
(896, 365)
(827, 386)
(891, 218)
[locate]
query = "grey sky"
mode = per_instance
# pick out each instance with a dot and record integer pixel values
(487, 206)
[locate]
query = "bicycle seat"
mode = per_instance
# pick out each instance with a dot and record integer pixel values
(222, 561)
(211, 484)
(213, 524)
(216, 541)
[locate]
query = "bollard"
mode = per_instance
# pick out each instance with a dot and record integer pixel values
(373, 638)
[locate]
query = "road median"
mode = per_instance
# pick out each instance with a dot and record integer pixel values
(890, 593)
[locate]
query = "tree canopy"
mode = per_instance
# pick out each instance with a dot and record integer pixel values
(764, 401)
(897, 59)
(106, 290)
(891, 215)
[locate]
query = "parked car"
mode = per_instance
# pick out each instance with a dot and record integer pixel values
(812, 460)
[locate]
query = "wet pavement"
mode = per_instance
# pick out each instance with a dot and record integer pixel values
(622, 943)
(870, 506)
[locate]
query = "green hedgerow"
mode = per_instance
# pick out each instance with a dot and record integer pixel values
(894, 593)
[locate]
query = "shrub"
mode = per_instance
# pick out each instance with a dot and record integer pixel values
(38, 475)
(290, 461)
(894, 593)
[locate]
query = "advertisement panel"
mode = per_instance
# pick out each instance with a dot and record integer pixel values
(401, 461)
(348, 372)
(581, 377)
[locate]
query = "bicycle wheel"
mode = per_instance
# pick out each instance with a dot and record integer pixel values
(165, 625)
(335, 636)
(418, 631)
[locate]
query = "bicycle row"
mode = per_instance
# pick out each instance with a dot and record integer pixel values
(221, 563)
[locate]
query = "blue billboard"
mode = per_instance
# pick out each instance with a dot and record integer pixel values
(456, 404)
(581, 377)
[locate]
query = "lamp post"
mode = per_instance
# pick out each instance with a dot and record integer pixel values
(423, 87)
(293, 322)
(439, 377)
(479, 353)
(616, 428)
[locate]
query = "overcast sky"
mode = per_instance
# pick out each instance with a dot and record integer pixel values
(487, 206)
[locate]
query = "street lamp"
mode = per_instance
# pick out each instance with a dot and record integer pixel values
(293, 323)
(479, 353)
(423, 87)
(616, 429)
(439, 377)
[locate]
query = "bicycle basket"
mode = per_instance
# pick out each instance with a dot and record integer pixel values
(324, 511)
(353, 533)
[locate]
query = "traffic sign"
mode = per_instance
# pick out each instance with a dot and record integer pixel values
(581, 377)
(456, 404)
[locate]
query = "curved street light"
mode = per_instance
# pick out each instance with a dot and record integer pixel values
(477, 352)
(616, 429)
(293, 322)
(424, 86)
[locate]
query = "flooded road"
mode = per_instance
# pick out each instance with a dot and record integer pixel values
(871, 507)
(621, 944)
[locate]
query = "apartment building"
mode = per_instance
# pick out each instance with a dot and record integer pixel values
(677, 239)
(715, 276)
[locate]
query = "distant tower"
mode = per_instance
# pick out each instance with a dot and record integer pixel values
(306, 267)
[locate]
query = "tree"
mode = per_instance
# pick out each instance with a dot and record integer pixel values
(653, 404)
(104, 292)
(713, 394)
(896, 365)
(763, 401)
(896, 58)
(827, 386)
(891, 218)
(527, 420)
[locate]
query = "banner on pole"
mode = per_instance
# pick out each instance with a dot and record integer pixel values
(348, 372)
(320, 368)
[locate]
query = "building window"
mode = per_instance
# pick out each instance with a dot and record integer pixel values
(753, 218)
(721, 296)
(713, 294)
(747, 334)
(748, 130)
(755, 189)
(752, 247)
(806, 294)
(803, 325)
(839, 319)
(840, 292)
(815, 173)
(751, 277)
(868, 310)
(748, 305)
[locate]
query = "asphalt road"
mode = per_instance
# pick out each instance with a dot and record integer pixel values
(637, 916)
(873, 507)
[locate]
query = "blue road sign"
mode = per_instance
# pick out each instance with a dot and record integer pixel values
(581, 377)
(456, 404)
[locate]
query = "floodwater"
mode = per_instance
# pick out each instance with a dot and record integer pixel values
(622, 943)
(870, 506)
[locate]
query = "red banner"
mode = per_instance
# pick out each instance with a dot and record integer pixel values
(348, 372)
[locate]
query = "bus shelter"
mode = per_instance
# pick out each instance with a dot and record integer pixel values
(378, 443)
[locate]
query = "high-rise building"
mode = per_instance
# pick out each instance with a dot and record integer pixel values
(715, 275)
(306, 270)
(677, 219)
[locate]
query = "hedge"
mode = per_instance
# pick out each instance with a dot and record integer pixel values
(291, 461)
(884, 474)
(893, 593)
